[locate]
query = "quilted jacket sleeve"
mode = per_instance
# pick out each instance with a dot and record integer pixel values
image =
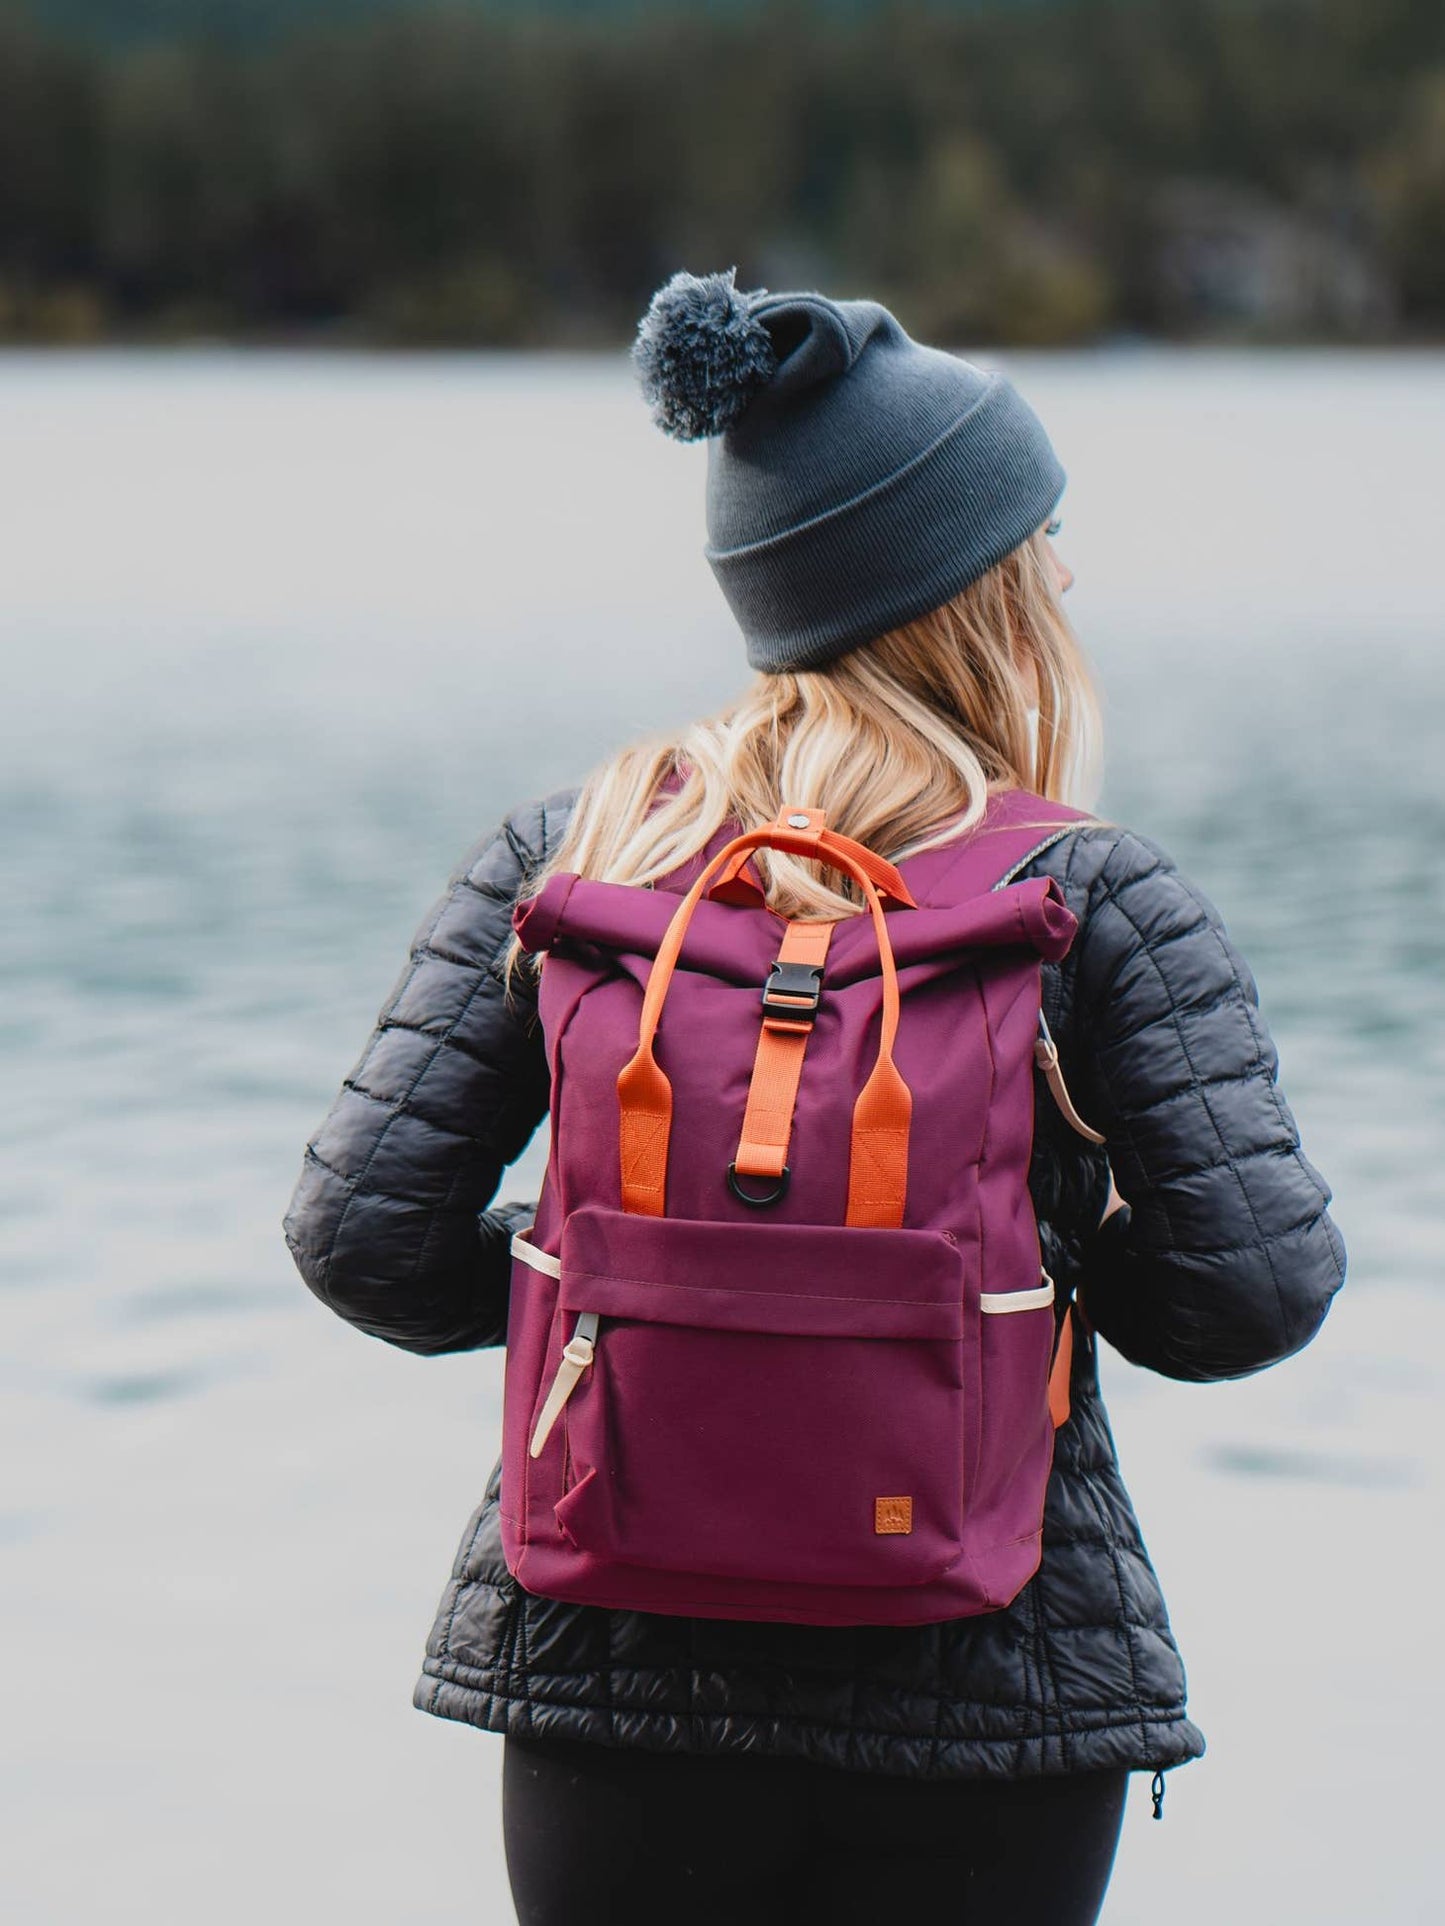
(1224, 1258)
(390, 1221)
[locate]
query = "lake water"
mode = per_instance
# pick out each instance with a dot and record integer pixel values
(281, 637)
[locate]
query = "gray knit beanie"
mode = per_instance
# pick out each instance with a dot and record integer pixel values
(855, 478)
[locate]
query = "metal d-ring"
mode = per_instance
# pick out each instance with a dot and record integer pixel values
(757, 1202)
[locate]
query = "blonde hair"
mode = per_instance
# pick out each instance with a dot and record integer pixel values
(900, 740)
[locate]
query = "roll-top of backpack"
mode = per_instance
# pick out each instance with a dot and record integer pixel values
(741, 946)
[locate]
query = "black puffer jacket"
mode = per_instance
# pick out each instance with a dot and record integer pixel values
(1224, 1261)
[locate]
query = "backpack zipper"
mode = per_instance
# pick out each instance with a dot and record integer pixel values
(577, 1354)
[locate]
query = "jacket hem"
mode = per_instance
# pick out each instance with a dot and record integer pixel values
(1140, 1744)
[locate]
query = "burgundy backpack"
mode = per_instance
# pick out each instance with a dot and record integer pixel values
(780, 1344)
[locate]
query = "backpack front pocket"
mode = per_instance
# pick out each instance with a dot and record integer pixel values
(774, 1401)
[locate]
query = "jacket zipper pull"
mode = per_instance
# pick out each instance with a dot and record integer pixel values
(1156, 1793)
(577, 1354)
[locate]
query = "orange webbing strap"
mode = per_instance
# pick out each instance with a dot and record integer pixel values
(768, 1119)
(878, 1161)
(1060, 1370)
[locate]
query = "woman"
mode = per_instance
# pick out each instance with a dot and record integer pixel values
(880, 521)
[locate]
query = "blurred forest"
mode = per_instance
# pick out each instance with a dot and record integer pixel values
(1037, 172)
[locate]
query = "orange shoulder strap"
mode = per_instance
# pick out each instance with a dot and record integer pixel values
(1061, 1370)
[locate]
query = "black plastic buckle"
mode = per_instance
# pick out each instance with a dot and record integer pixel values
(793, 991)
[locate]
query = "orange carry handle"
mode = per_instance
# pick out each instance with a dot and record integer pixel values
(878, 1158)
(888, 880)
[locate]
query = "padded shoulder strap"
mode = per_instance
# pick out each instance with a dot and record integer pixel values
(1018, 825)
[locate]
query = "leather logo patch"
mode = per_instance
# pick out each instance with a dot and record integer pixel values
(893, 1514)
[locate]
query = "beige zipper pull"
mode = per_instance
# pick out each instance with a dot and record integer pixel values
(577, 1354)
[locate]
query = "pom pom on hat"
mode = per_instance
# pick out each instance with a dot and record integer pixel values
(856, 478)
(701, 354)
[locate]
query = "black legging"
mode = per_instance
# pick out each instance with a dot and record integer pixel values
(597, 1833)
